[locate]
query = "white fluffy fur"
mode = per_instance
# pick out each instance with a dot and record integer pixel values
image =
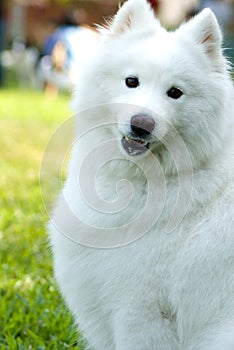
(163, 291)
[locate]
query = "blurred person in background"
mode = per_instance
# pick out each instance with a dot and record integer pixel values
(172, 13)
(65, 51)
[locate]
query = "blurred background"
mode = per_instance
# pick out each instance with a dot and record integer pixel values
(43, 44)
(29, 30)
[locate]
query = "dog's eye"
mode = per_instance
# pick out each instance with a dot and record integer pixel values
(174, 93)
(132, 82)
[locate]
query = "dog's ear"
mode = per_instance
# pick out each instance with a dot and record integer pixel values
(134, 14)
(204, 29)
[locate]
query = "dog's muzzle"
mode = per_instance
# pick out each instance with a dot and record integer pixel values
(137, 141)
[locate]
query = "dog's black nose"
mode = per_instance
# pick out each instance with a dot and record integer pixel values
(142, 124)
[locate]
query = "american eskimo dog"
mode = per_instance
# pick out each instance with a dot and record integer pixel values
(143, 231)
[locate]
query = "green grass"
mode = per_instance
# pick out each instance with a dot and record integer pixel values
(32, 313)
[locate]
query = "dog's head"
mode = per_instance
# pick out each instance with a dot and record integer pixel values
(159, 84)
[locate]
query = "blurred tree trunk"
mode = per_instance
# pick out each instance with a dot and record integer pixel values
(17, 21)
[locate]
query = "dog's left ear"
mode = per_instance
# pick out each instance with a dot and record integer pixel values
(134, 15)
(204, 29)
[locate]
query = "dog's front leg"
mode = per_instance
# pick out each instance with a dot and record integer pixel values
(139, 329)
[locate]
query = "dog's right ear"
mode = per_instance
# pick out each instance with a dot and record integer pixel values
(134, 15)
(205, 31)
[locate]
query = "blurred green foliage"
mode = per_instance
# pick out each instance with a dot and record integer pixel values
(32, 313)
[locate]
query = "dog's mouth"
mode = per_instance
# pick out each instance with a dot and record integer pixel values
(134, 146)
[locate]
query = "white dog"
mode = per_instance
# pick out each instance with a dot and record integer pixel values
(143, 232)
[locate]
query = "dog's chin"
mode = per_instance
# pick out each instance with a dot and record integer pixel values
(135, 147)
